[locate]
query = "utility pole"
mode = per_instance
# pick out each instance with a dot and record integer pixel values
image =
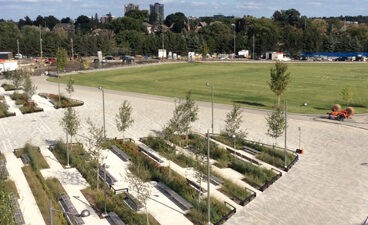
(71, 40)
(253, 47)
(18, 45)
(208, 179)
(41, 43)
(285, 134)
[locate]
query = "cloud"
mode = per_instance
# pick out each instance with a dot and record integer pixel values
(249, 5)
(199, 3)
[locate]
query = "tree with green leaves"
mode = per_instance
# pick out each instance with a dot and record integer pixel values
(16, 77)
(69, 86)
(29, 88)
(347, 94)
(139, 186)
(124, 118)
(204, 50)
(280, 79)
(276, 124)
(95, 145)
(61, 59)
(70, 122)
(233, 122)
(183, 116)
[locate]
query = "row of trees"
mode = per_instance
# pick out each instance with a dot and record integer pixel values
(286, 31)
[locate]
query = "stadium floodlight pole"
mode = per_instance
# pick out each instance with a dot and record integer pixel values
(285, 134)
(84, 213)
(212, 97)
(233, 25)
(103, 109)
(208, 179)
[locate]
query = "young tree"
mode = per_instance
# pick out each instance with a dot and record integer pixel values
(347, 94)
(280, 79)
(6, 209)
(69, 86)
(29, 88)
(70, 122)
(95, 145)
(276, 124)
(124, 118)
(183, 116)
(233, 122)
(61, 59)
(16, 77)
(139, 186)
(204, 50)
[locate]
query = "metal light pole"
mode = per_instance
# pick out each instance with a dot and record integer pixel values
(233, 25)
(41, 44)
(18, 45)
(104, 168)
(84, 213)
(103, 108)
(300, 135)
(212, 98)
(285, 133)
(59, 87)
(253, 47)
(208, 179)
(67, 150)
(71, 40)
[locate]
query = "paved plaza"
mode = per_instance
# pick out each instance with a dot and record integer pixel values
(328, 185)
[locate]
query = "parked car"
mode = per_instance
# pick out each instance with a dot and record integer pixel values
(98, 61)
(18, 56)
(341, 59)
(126, 59)
(109, 58)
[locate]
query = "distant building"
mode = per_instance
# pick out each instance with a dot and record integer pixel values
(107, 19)
(130, 7)
(157, 11)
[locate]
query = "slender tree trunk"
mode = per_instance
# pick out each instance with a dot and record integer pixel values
(147, 214)
(97, 178)
(200, 187)
(278, 100)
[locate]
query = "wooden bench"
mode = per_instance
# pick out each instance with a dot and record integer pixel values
(119, 153)
(110, 180)
(148, 151)
(243, 156)
(215, 180)
(132, 202)
(114, 219)
(3, 171)
(196, 186)
(73, 215)
(25, 159)
(180, 201)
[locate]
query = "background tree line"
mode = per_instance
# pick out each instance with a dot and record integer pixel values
(285, 31)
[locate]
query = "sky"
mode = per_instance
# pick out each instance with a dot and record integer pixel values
(16, 9)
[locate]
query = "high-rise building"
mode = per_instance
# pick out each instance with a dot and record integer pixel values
(107, 19)
(130, 7)
(157, 12)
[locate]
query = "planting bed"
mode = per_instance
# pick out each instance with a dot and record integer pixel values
(27, 105)
(81, 160)
(4, 109)
(272, 156)
(228, 188)
(64, 101)
(8, 87)
(254, 175)
(152, 171)
(37, 160)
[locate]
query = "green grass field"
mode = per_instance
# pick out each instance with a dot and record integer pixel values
(246, 84)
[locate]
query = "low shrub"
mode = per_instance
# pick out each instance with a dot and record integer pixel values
(8, 87)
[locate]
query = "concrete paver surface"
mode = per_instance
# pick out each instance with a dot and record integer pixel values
(328, 185)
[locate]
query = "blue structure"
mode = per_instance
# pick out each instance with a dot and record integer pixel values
(335, 54)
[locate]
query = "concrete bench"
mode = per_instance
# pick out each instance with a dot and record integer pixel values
(250, 150)
(243, 156)
(25, 159)
(148, 151)
(119, 153)
(196, 186)
(181, 202)
(215, 180)
(3, 171)
(114, 219)
(132, 202)
(18, 215)
(110, 180)
(68, 207)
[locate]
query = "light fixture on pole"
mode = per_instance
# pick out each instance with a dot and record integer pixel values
(208, 180)
(233, 25)
(84, 213)
(103, 109)
(212, 97)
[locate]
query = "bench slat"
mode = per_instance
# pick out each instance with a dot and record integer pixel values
(117, 151)
(175, 196)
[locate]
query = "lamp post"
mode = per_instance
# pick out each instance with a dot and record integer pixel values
(285, 134)
(212, 97)
(104, 168)
(233, 25)
(84, 213)
(103, 108)
(208, 179)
